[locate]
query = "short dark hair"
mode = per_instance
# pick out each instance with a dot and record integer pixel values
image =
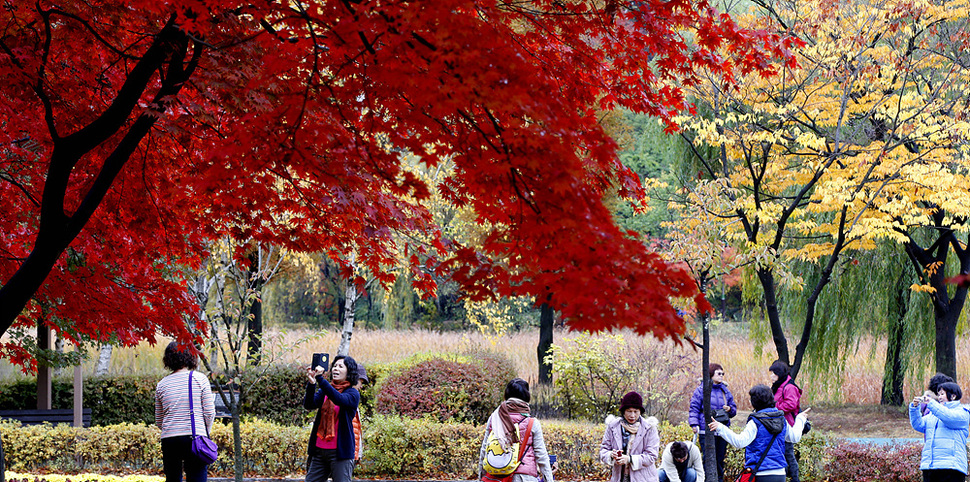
(952, 390)
(353, 372)
(678, 450)
(781, 369)
(761, 397)
(713, 367)
(176, 358)
(937, 380)
(518, 388)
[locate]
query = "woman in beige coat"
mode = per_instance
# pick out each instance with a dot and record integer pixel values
(631, 443)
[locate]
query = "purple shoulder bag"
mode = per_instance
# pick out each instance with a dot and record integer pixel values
(203, 448)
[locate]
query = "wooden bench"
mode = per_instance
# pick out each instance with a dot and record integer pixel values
(37, 417)
(222, 411)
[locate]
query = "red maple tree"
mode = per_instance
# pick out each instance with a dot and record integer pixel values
(135, 130)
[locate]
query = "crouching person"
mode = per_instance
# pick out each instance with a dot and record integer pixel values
(683, 462)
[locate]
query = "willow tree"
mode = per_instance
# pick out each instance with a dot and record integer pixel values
(869, 298)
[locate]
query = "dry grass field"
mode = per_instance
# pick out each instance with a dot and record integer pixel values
(846, 405)
(745, 365)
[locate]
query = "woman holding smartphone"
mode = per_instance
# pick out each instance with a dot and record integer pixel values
(631, 443)
(331, 448)
(944, 429)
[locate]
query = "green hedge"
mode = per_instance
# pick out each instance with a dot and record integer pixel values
(277, 396)
(111, 400)
(395, 448)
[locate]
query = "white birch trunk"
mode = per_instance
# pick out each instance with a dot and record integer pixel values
(59, 348)
(349, 303)
(104, 361)
(204, 281)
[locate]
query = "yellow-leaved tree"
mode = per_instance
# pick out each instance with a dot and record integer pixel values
(831, 154)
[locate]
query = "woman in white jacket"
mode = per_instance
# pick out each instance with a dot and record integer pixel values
(764, 436)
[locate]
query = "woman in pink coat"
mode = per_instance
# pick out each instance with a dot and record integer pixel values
(631, 443)
(787, 399)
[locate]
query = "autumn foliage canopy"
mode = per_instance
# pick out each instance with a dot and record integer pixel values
(133, 131)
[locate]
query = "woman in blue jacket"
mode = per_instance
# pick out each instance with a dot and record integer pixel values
(331, 448)
(944, 430)
(721, 398)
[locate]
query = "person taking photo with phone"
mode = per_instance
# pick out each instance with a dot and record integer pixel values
(944, 429)
(331, 448)
(631, 443)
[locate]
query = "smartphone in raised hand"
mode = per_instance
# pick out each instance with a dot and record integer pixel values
(321, 360)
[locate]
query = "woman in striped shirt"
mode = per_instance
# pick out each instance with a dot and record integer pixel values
(172, 414)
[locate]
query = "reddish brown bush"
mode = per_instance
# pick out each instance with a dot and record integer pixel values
(856, 462)
(446, 390)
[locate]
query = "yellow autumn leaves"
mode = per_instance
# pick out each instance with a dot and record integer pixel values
(866, 138)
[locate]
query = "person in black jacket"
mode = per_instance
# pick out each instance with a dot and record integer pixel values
(331, 449)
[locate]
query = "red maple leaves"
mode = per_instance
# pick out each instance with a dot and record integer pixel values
(285, 122)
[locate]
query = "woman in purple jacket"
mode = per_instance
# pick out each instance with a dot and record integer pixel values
(721, 398)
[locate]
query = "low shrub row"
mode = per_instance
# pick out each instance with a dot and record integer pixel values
(277, 396)
(15, 477)
(401, 448)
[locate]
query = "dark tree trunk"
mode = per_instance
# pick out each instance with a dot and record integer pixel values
(3, 466)
(255, 347)
(946, 337)
(58, 229)
(20, 288)
(710, 455)
(544, 349)
(767, 278)
(237, 462)
(930, 264)
(892, 381)
(44, 397)
(256, 332)
(812, 301)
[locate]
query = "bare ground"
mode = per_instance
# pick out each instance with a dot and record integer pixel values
(863, 421)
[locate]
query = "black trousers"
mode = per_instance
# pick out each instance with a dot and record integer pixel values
(720, 452)
(792, 469)
(176, 458)
(943, 475)
(769, 478)
(324, 465)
